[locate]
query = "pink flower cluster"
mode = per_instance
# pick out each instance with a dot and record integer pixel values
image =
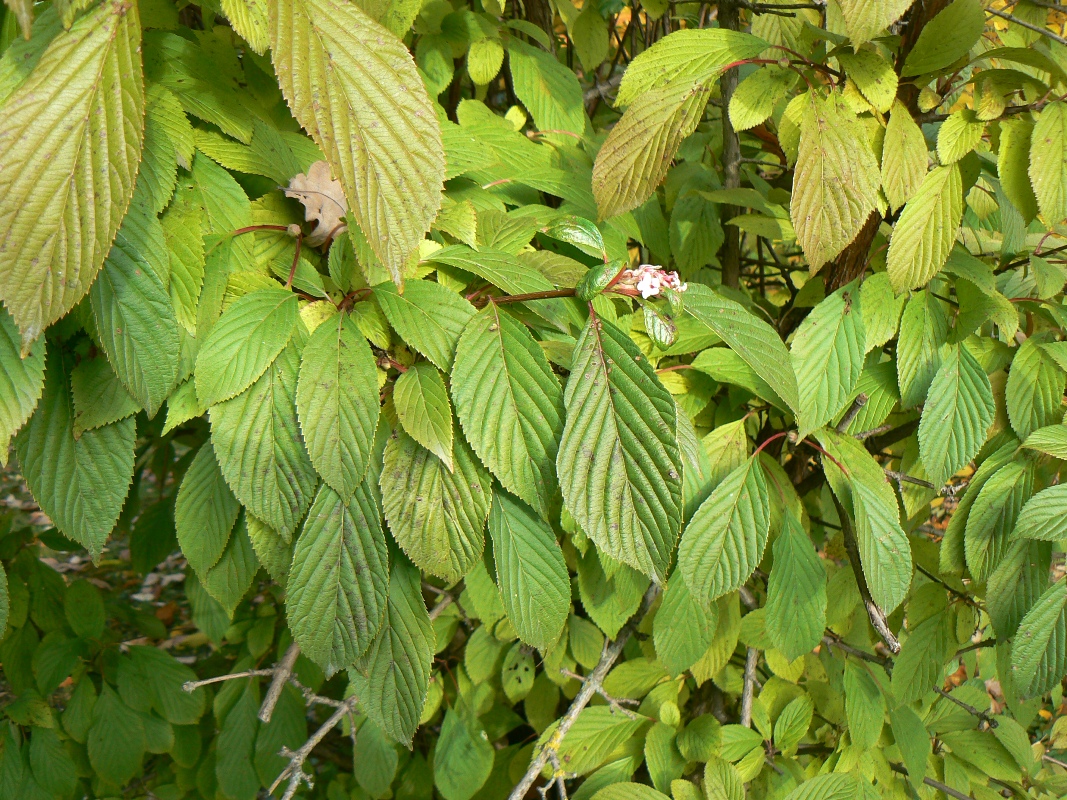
(650, 280)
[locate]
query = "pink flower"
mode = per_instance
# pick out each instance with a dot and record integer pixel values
(649, 280)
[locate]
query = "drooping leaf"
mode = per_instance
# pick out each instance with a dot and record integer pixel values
(921, 347)
(1043, 516)
(258, 446)
(392, 678)
(925, 652)
(835, 186)
(464, 756)
(422, 407)
(80, 483)
(1048, 161)
(903, 157)
(926, 230)
(1013, 164)
(866, 18)
(437, 516)
(796, 593)
(993, 516)
(21, 381)
(725, 540)
(70, 151)
(337, 586)
(243, 343)
(250, 19)
(757, 95)
(873, 75)
(510, 404)
(958, 135)
(205, 511)
(337, 401)
(530, 571)
(1052, 440)
(957, 416)
(683, 628)
(231, 577)
(827, 356)
(945, 38)
(1039, 651)
(619, 465)
(548, 89)
(1034, 391)
(134, 315)
(116, 741)
(353, 85)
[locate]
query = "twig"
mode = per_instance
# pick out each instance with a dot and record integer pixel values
(982, 715)
(616, 704)
(876, 615)
(853, 411)
(966, 598)
(600, 89)
(559, 778)
(192, 686)
(900, 477)
(295, 770)
(444, 603)
(832, 640)
(874, 431)
(941, 787)
(283, 671)
(608, 657)
(1028, 25)
(1051, 760)
(750, 683)
(975, 646)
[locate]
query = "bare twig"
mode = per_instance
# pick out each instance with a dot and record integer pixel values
(976, 646)
(854, 409)
(601, 89)
(1051, 760)
(192, 686)
(283, 671)
(444, 603)
(874, 431)
(294, 772)
(616, 704)
(592, 682)
(901, 477)
(750, 683)
(1028, 25)
(832, 640)
(982, 715)
(941, 787)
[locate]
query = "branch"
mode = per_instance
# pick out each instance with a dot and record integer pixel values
(833, 640)
(853, 411)
(295, 770)
(941, 787)
(192, 686)
(283, 671)
(750, 683)
(590, 685)
(616, 704)
(1028, 25)
(730, 252)
(982, 715)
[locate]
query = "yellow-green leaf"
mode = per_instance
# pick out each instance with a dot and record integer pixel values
(926, 230)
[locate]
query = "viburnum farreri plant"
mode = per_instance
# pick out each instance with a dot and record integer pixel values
(592, 399)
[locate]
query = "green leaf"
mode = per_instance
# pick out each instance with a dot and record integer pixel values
(70, 143)
(929, 646)
(792, 724)
(993, 516)
(926, 230)
(134, 316)
(484, 59)
(831, 786)
(354, 87)
(84, 610)
(428, 316)
(530, 571)
(185, 247)
(835, 185)
(946, 38)
(796, 593)
(864, 705)
(510, 404)
(866, 493)
(619, 464)
(244, 342)
(1016, 584)
(336, 590)
(168, 141)
(1013, 164)
(635, 157)
(873, 75)
(80, 483)
(1039, 651)
(548, 89)
(725, 540)
(956, 419)
(864, 19)
(392, 678)
(756, 342)
(903, 157)
(1051, 440)
(1042, 517)
(912, 740)
(756, 96)
(437, 516)
(272, 550)
(204, 512)
(921, 347)
(682, 629)
(827, 356)
(1034, 392)
(422, 407)
(52, 766)
(982, 751)
(231, 577)
(21, 381)
(250, 19)
(235, 745)
(1048, 161)
(958, 135)
(116, 740)
(463, 759)
(258, 446)
(337, 402)
(685, 56)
